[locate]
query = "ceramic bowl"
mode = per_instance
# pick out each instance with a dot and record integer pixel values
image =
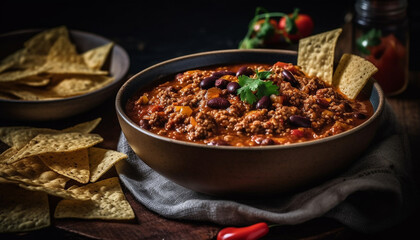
(228, 170)
(20, 110)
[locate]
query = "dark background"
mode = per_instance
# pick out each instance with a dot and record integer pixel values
(153, 31)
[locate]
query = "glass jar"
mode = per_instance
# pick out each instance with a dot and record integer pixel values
(381, 36)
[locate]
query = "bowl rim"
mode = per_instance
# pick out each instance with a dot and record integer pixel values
(121, 113)
(59, 100)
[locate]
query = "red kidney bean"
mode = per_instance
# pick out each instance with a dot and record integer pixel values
(288, 76)
(144, 124)
(218, 103)
(223, 73)
(300, 121)
(267, 141)
(347, 107)
(244, 71)
(221, 83)
(360, 115)
(232, 87)
(322, 102)
(208, 82)
(264, 102)
(218, 142)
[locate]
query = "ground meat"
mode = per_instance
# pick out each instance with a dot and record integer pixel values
(178, 109)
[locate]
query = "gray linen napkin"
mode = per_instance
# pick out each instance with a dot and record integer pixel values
(376, 192)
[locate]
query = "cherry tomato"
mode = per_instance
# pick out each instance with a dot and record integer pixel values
(270, 34)
(304, 27)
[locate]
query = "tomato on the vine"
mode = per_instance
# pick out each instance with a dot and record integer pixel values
(269, 33)
(303, 26)
(265, 30)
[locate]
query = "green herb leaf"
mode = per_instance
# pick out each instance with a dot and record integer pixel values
(263, 75)
(266, 30)
(250, 41)
(253, 89)
(266, 89)
(291, 27)
(371, 38)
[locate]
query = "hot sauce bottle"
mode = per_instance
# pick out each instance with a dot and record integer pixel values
(381, 36)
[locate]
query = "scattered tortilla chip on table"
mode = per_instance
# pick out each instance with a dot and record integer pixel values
(32, 171)
(74, 165)
(5, 134)
(101, 160)
(21, 137)
(58, 192)
(43, 165)
(22, 210)
(108, 202)
(85, 127)
(56, 142)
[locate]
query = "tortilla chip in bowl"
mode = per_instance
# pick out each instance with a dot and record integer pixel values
(57, 73)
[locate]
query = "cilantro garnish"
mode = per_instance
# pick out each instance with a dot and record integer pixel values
(252, 89)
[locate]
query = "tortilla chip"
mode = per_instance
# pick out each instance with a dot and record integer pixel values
(85, 127)
(8, 153)
(49, 67)
(74, 165)
(73, 86)
(352, 74)
(54, 143)
(35, 81)
(42, 42)
(22, 210)
(63, 59)
(5, 134)
(59, 87)
(96, 57)
(11, 60)
(4, 180)
(58, 192)
(316, 54)
(28, 94)
(22, 59)
(108, 202)
(64, 50)
(11, 76)
(101, 160)
(21, 137)
(32, 171)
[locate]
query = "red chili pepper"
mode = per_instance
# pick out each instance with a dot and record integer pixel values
(252, 232)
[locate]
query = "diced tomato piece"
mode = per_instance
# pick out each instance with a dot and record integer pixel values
(297, 133)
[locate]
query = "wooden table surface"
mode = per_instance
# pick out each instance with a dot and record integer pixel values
(149, 225)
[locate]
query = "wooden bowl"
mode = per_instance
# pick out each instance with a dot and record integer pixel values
(21, 110)
(228, 170)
